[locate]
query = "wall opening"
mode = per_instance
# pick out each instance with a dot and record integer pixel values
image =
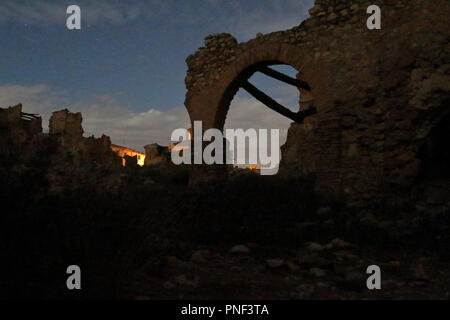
(242, 109)
(274, 78)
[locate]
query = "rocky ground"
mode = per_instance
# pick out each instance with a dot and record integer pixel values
(154, 237)
(336, 270)
(329, 260)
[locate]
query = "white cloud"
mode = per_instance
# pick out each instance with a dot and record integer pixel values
(129, 128)
(248, 113)
(272, 15)
(45, 13)
(236, 16)
(101, 115)
(35, 98)
(105, 115)
(33, 13)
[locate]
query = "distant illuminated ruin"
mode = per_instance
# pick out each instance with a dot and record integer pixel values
(123, 152)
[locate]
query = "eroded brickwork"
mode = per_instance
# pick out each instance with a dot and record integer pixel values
(379, 93)
(63, 156)
(18, 135)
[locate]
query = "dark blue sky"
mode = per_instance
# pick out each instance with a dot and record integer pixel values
(131, 51)
(141, 64)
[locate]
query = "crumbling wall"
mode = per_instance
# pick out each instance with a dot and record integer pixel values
(378, 93)
(125, 153)
(156, 154)
(67, 128)
(18, 136)
(63, 157)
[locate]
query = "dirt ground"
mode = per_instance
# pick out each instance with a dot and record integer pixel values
(333, 270)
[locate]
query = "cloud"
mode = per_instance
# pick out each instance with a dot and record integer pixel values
(105, 115)
(32, 13)
(246, 113)
(51, 13)
(101, 115)
(129, 128)
(243, 18)
(105, 13)
(35, 98)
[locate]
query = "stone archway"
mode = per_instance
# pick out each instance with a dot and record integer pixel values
(210, 104)
(373, 90)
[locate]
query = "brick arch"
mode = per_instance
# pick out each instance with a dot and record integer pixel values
(375, 104)
(211, 104)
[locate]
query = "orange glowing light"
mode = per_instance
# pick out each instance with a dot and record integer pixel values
(124, 151)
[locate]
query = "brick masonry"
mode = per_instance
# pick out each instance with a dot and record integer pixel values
(379, 93)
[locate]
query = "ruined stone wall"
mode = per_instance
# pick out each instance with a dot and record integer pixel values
(379, 93)
(17, 135)
(67, 128)
(124, 152)
(156, 154)
(63, 156)
(67, 125)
